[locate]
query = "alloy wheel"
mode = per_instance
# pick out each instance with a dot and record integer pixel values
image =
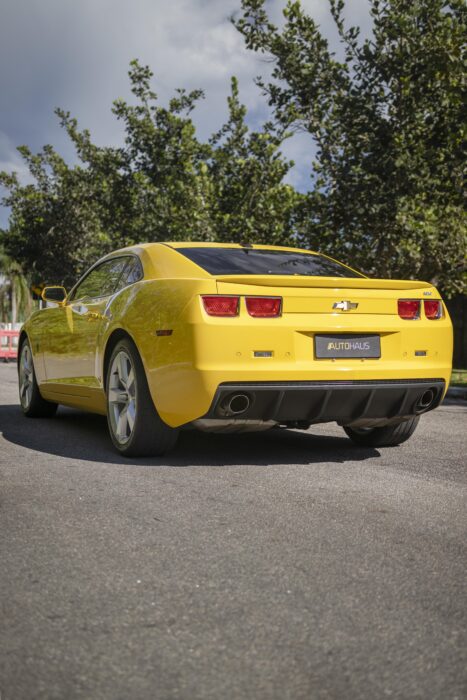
(26, 376)
(122, 397)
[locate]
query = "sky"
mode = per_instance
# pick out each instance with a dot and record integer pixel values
(75, 54)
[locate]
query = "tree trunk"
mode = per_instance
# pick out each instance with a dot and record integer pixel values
(14, 305)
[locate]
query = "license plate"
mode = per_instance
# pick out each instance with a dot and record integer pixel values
(347, 345)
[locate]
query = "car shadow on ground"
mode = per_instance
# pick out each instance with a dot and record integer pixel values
(83, 436)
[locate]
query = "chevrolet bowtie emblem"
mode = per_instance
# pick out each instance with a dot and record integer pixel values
(344, 305)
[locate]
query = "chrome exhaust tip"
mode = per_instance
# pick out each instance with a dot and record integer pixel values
(236, 404)
(425, 400)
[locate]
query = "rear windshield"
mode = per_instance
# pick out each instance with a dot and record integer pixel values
(257, 261)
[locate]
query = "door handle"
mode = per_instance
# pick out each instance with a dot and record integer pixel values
(93, 315)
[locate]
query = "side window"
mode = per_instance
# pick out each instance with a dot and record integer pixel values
(102, 281)
(132, 273)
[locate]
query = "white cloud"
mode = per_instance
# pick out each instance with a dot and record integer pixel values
(301, 150)
(76, 54)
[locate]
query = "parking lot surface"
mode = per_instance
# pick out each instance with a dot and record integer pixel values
(280, 565)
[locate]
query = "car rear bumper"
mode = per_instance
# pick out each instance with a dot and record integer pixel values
(358, 403)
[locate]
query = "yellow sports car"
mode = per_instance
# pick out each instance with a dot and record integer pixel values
(228, 337)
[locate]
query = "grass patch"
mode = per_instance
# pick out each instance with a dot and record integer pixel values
(459, 377)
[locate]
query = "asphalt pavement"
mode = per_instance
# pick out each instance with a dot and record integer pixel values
(284, 565)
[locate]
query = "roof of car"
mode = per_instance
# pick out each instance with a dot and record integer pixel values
(162, 259)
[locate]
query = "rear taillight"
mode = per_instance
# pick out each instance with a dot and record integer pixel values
(217, 305)
(409, 309)
(433, 308)
(263, 307)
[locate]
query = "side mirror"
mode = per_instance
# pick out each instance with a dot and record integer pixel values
(57, 295)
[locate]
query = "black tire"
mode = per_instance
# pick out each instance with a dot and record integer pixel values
(31, 401)
(387, 436)
(145, 434)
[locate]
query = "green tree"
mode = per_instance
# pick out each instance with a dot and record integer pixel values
(251, 202)
(54, 228)
(388, 123)
(15, 297)
(163, 183)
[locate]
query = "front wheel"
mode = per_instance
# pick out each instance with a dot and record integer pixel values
(134, 424)
(32, 403)
(387, 436)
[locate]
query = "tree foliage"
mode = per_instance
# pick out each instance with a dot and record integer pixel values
(388, 122)
(15, 297)
(386, 115)
(163, 183)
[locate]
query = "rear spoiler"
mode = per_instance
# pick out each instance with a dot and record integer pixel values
(332, 282)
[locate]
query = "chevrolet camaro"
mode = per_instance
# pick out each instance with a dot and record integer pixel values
(231, 337)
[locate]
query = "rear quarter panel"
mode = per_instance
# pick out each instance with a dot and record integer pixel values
(152, 305)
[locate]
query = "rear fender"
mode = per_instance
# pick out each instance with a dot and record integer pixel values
(156, 316)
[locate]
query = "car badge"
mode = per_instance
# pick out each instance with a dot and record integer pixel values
(345, 305)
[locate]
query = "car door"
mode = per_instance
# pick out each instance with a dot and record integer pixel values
(70, 356)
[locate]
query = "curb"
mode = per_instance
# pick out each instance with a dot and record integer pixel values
(457, 393)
